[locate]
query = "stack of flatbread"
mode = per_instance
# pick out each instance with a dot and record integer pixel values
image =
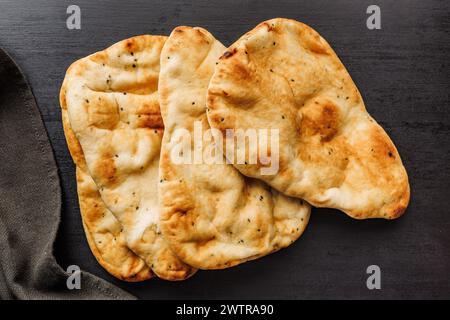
(149, 123)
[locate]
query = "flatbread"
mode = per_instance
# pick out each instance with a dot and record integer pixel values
(211, 215)
(112, 102)
(332, 153)
(104, 233)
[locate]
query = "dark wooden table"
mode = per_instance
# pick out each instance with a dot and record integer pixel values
(402, 71)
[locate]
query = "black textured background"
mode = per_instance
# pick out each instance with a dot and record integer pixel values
(402, 72)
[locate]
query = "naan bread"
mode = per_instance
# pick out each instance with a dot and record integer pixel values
(332, 153)
(112, 102)
(103, 232)
(211, 215)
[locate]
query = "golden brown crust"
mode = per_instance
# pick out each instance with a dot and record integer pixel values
(103, 232)
(112, 103)
(107, 244)
(284, 75)
(211, 215)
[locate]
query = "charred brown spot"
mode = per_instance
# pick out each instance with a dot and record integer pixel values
(106, 170)
(269, 27)
(397, 212)
(130, 45)
(242, 72)
(228, 54)
(203, 243)
(150, 119)
(381, 146)
(321, 119)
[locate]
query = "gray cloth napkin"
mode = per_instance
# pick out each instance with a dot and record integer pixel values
(30, 202)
